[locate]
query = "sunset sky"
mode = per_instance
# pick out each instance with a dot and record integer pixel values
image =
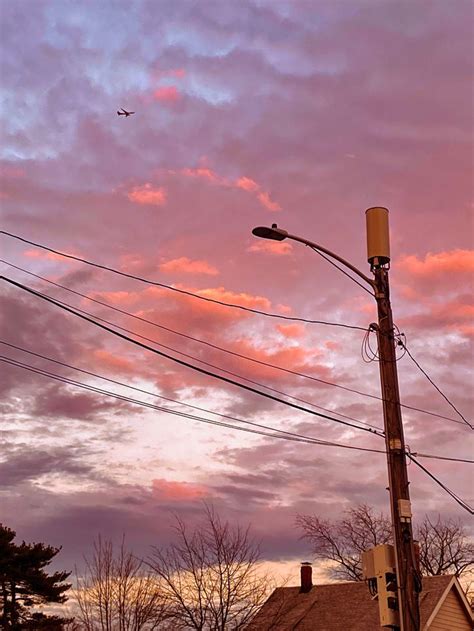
(251, 112)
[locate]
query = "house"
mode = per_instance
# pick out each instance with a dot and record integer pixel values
(349, 606)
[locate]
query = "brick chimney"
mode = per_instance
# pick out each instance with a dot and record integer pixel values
(306, 577)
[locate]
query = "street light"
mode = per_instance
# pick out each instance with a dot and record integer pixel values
(277, 234)
(378, 254)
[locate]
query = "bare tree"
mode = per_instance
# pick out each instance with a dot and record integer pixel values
(444, 548)
(444, 545)
(116, 593)
(344, 541)
(211, 576)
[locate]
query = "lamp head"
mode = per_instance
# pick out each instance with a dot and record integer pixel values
(275, 233)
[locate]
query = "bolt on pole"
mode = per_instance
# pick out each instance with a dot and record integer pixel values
(408, 577)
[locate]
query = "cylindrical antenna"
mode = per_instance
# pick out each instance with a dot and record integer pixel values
(378, 239)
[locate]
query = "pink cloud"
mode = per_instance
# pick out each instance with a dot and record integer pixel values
(116, 297)
(177, 491)
(291, 357)
(243, 183)
(244, 299)
(202, 172)
(365, 307)
(284, 309)
(173, 300)
(188, 266)
(291, 330)
(264, 199)
(48, 256)
(134, 262)
(456, 315)
(277, 248)
(437, 286)
(184, 313)
(433, 265)
(167, 94)
(247, 184)
(147, 194)
(251, 186)
(112, 362)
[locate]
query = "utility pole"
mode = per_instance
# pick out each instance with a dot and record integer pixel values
(408, 580)
(378, 247)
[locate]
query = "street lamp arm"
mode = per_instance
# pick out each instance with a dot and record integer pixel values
(277, 234)
(334, 256)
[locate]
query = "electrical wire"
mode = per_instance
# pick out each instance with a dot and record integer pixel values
(169, 330)
(196, 407)
(370, 355)
(414, 615)
(460, 501)
(279, 433)
(421, 455)
(329, 260)
(367, 353)
(436, 387)
(176, 289)
(225, 350)
(120, 383)
(68, 380)
(182, 362)
(229, 372)
(50, 300)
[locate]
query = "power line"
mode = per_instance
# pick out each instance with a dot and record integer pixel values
(436, 387)
(225, 350)
(182, 362)
(284, 434)
(326, 258)
(180, 291)
(196, 407)
(115, 381)
(420, 455)
(281, 434)
(460, 501)
(206, 363)
(142, 390)
(68, 380)
(452, 494)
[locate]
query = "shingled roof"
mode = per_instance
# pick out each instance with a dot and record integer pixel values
(336, 607)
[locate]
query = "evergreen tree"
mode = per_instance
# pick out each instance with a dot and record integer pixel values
(25, 584)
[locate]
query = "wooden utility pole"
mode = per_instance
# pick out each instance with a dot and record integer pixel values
(378, 246)
(408, 578)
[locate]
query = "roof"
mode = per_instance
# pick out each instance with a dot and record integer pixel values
(338, 606)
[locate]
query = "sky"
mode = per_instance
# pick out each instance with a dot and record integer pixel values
(301, 113)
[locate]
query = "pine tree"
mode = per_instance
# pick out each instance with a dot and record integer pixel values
(25, 584)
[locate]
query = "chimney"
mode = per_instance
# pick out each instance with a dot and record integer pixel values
(306, 577)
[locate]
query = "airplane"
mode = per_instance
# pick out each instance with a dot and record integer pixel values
(124, 112)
